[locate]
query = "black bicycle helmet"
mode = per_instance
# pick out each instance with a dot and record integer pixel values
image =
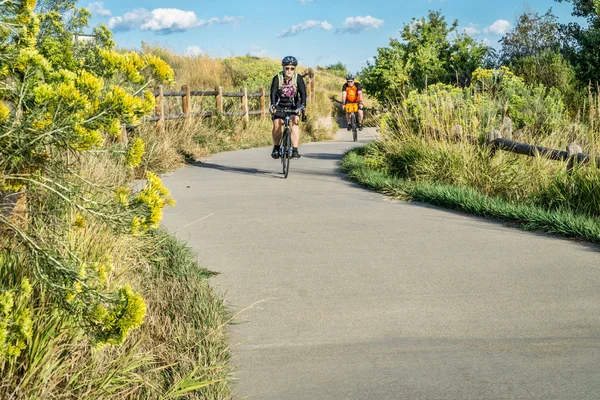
(289, 60)
(349, 77)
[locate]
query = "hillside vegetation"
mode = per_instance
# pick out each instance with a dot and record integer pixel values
(203, 137)
(446, 92)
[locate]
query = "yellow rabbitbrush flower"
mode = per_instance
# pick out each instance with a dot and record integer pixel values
(86, 139)
(4, 113)
(89, 84)
(129, 64)
(31, 58)
(115, 324)
(69, 96)
(135, 153)
(161, 70)
(153, 197)
(122, 195)
(42, 123)
(122, 103)
(44, 93)
(113, 128)
(79, 222)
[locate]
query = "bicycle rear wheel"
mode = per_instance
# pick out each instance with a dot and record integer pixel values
(286, 145)
(354, 130)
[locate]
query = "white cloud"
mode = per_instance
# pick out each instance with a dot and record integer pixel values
(305, 1)
(471, 30)
(500, 27)
(296, 29)
(170, 19)
(164, 20)
(359, 24)
(129, 20)
(193, 51)
(97, 8)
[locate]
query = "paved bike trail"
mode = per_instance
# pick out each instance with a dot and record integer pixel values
(344, 294)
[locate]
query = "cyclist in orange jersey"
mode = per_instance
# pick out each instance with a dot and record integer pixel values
(352, 93)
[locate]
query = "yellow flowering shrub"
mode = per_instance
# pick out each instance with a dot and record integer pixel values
(4, 113)
(15, 318)
(114, 322)
(161, 69)
(61, 97)
(152, 198)
(135, 153)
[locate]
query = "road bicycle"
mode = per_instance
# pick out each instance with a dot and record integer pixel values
(285, 146)
(352, 109)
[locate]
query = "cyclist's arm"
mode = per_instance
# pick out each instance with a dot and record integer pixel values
(274, 90)
(359, 92)
(343, 97)
(302, 91)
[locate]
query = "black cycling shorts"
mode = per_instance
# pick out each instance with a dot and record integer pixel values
(281, 115)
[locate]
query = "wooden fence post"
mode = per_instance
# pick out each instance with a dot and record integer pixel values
(219, 104)
(491, 141)
(123, 135)
(160, 109)
(573, 149)
(263, 104)
(185, 102)
(245, 110)
(312, 86)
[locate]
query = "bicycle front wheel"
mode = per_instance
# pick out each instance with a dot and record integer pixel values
(286, 145)
(354, 129)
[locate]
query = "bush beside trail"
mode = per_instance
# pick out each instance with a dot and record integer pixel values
(85, 276)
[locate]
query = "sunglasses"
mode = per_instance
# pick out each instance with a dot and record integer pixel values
(289, 68)
(349, 81)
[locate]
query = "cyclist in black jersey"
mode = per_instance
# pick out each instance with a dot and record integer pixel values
(287, 91)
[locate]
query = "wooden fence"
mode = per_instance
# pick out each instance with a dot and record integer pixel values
(573, 154)
(186, 94)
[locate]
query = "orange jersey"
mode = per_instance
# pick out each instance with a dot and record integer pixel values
(352, 92)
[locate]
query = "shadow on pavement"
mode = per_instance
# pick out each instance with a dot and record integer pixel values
(240, 170)
(323, 156)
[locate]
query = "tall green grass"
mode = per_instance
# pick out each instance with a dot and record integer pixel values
(468, 199)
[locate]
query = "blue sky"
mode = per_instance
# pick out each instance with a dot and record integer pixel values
(317, 32)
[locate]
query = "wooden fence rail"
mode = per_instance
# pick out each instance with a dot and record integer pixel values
(573, 154)
(186, 94)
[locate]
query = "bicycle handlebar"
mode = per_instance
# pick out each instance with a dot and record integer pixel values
(287, 110)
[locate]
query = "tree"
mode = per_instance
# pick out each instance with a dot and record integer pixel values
(533, 34)
(583, 49)
(338, 68)
(430, 51)
(533, 50)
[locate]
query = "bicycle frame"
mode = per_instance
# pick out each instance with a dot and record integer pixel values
(285, 144)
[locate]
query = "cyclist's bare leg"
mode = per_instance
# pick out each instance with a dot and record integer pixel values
(348, 118)
(295, 131)
(361, 115)
(277, 130)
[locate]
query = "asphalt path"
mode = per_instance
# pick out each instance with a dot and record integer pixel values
(342, 293)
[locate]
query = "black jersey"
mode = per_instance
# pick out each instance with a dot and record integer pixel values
(286, 98)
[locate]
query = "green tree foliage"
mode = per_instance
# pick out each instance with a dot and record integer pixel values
(533, 51)
(338, 69)
(534, 34)
(583, 49)
(431, 51)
